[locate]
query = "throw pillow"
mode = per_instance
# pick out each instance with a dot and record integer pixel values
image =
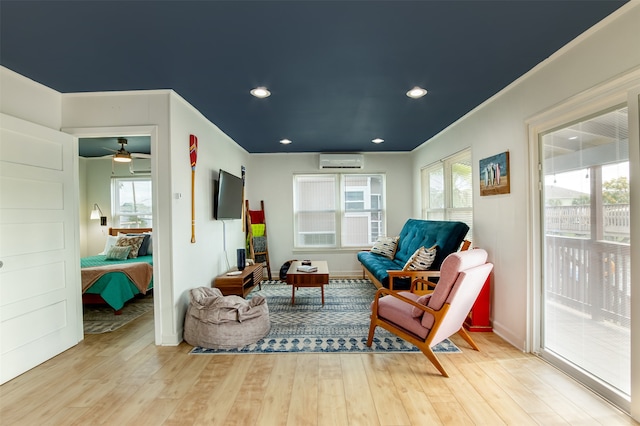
(118, 253)
(111, 241)
(423, 300)
(144, 247)
(133, 242)
(385, 246)
(421, 259)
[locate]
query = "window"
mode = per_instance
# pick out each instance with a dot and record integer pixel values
(338, 210)
(447, 190)
(131, 202)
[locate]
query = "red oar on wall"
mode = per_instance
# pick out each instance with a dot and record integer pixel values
(193, 154)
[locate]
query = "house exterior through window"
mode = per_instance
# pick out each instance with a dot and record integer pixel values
(131, 202)
(338, 210)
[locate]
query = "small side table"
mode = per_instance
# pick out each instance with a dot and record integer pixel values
(297, 278)
(240, 284)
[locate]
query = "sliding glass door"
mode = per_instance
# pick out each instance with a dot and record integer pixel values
(586, 261)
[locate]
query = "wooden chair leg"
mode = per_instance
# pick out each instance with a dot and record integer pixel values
(434, 360)
(372, 329)
(467, 338)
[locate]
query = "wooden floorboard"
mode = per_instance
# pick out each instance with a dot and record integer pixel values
(123, 378)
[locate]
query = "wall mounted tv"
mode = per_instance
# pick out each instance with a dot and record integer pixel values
(228, 197)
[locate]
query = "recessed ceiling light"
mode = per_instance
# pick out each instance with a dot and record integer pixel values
(573, 138)
(377, 140)
(416, 92)
(260, 92)
(285, 141)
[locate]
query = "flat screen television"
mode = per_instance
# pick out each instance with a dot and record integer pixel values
(228, 197)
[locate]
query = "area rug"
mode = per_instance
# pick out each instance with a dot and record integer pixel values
(341, 325)
(101, 319)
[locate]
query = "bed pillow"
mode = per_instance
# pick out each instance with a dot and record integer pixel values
(134, 242)
(421, 259)
(118, 253)
(111, 241)
(144, 247)
(385, 246)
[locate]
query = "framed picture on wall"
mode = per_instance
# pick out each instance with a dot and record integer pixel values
(494, 174)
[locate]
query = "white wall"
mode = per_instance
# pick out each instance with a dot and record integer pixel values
(106, 114)
(31, 101)
(196, 265)
(270, 178)
(501, 222)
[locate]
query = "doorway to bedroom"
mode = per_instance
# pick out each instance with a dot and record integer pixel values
(116, 204)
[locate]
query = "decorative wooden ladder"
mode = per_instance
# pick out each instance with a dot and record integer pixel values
(257, 236)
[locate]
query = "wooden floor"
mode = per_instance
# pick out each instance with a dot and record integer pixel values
(122, 378)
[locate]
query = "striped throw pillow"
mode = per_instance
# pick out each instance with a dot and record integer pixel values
(385, 246)
(421, 259)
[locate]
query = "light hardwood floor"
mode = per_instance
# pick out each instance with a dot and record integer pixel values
(122, 378)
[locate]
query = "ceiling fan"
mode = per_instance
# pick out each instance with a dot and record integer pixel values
(123, 156)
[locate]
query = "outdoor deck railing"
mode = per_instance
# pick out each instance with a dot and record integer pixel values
(593, 277)
(576, 220)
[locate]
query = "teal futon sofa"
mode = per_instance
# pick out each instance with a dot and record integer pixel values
(387, 272)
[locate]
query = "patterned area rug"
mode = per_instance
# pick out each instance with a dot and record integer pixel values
(341, 325)
(101, 319)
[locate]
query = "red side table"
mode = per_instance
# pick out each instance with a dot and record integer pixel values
(478, 319)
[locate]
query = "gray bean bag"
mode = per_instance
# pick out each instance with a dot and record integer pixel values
(215, 321)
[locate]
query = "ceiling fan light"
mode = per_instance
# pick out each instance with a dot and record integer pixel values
(416, 92)
(122, 157)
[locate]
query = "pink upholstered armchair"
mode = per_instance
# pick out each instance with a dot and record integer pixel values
(427, 320)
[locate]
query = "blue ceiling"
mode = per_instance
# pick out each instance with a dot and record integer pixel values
(338, 71)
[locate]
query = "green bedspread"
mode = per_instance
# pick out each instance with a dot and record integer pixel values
(114, 287)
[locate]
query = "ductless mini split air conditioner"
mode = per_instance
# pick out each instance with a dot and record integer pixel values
(341, 161)
(140, 166)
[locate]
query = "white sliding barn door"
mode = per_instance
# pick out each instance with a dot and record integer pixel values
(40, 311)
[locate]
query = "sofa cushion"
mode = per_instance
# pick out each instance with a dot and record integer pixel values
(415, 233)
(400, 313)
(379, 265)
(385, 246)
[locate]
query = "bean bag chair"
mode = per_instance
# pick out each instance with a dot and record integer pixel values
(215, 321)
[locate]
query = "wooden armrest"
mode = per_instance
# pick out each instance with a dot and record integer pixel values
(413, 275)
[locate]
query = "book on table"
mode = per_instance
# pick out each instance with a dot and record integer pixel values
(307, 268)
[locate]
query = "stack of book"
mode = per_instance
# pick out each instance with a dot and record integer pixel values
(307, 268)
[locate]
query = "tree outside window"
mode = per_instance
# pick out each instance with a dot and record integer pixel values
(447, 188)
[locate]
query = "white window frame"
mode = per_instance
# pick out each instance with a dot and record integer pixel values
(116, 214)
(447, 211)
(341, 213)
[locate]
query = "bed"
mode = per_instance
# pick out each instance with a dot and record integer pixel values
(114, 282)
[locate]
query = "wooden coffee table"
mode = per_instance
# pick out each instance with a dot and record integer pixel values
(297, 278)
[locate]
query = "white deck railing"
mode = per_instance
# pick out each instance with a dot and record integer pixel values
(593, 277)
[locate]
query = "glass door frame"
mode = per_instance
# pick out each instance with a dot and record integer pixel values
(623, 90)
